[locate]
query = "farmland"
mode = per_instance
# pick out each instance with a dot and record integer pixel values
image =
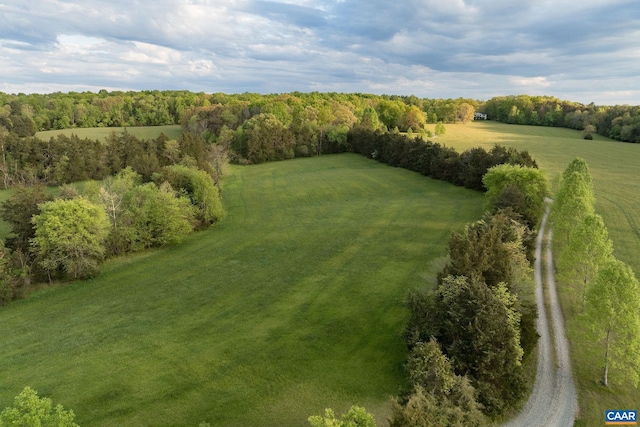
(290, 305)
(613, 165)
(272, 318)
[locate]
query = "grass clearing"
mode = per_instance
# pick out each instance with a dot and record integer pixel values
(290, 305)
(141, 132)
(613, 166)
(616, 179)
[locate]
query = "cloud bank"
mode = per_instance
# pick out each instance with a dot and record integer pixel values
(582, 51)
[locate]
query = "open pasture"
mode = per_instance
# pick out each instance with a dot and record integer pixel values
(292, 304)
(141, 132)
(615, 167)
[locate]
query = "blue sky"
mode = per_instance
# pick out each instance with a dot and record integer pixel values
(583, 51)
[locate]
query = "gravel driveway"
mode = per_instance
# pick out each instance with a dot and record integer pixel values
(553, 400)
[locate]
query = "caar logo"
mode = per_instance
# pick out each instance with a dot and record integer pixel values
(621, 418)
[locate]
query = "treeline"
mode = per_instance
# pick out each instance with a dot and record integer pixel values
(609, 292)
(434, 160)
(621, 122)
(26, 114)
(63, 159)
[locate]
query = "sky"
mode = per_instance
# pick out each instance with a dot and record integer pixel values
(584, 51)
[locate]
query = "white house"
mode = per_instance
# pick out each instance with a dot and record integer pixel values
(479, 116)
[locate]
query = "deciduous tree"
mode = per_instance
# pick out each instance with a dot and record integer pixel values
(588, 250)
(30, 410)
(70, 235)
(531, 182)
(613, 316)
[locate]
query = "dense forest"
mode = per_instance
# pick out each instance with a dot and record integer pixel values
(25, 114)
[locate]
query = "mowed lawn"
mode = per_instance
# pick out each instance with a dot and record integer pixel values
(292, 304)
(142, 132)
(615, 167)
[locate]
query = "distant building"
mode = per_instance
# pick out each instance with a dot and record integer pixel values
(479, 116)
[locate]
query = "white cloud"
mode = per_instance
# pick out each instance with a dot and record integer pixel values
(583, 51)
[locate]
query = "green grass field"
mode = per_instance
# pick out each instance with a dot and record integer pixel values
(142, 132)
(616, 176)
(292, 304)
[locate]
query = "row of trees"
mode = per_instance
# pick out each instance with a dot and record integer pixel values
(621, 122)
(64, 159)
(468, 338)
(434, 160)
(609, 291)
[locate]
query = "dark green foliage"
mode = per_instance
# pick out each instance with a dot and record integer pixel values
(490, 249)
(424, 318)
(18, 211)
(481, 335)
(9, 281)
(432, 159)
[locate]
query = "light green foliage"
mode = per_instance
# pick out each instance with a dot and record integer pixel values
(356, 417)
(200, 188)
(70, 234)
(440, 129)
(158, 215)
(413, 118)
(613, 315)
(29, 410)
(428, 368)
(588, 249)
(616, 184)
(370, 120)
(531, 182)
(438, 397)
(573, 201)
(425, 410)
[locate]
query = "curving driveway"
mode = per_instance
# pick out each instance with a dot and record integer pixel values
(553, 400)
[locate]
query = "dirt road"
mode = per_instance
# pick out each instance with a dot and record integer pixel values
(553, 401)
